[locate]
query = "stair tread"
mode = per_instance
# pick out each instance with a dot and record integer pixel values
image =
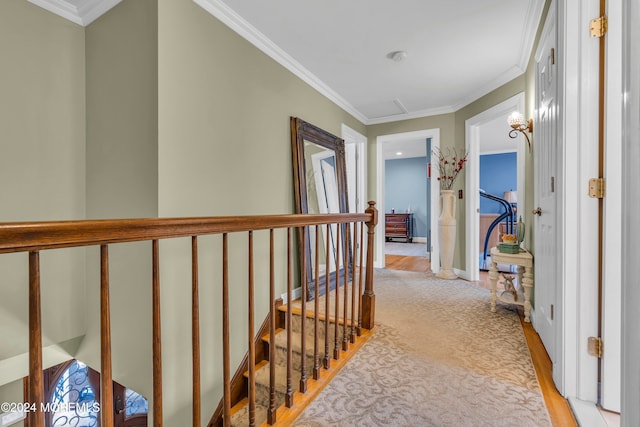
(240, 413)
(311, 315)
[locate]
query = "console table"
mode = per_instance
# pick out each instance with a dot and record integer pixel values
(524, 263)
(398, 226)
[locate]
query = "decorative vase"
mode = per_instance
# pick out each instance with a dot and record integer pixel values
(447, 228)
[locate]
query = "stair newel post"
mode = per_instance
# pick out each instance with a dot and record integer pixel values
(327, 299)
(289, 391)
(369, 298)
(195, 332)
(303, 317)
(106, 390)
(345, 285)
(251, 337)
(336, 338)
(316, 307)
(226, 357)
(359, 329)
(271, 412)
(353, 283)
(36, 376)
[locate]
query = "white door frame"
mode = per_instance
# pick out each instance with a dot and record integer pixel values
(472, 176)
(575, 373)
(434, 134)
(352, 137)
(612, 285)
(630, 208)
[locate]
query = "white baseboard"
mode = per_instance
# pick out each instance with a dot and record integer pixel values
(295, 293)
(586, 413)
(419, 240)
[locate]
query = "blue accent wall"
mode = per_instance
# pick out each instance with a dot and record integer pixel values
(498, 173)
(406, 185)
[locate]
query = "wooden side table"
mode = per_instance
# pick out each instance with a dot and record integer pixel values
(524, 263)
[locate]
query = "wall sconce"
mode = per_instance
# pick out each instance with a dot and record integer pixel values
(517, 122)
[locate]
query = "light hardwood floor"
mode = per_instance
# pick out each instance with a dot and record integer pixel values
(559, 410)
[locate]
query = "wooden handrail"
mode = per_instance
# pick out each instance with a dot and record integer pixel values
(34, 237)
(37, 236)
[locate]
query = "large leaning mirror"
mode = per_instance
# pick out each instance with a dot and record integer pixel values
(320, 187)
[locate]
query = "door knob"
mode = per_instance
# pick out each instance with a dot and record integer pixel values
(537, 211)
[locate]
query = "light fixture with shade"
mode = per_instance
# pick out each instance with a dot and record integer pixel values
(511, 196)
(519, 124)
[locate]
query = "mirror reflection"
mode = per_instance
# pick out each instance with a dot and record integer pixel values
(320, 181)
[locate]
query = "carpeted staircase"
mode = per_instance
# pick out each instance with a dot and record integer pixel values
(240, 411)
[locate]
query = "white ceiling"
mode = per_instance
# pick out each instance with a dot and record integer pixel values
(457, 50)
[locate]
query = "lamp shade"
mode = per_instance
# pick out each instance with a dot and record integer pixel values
(511, 196)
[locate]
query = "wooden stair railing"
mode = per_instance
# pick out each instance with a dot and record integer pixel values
(34, 237)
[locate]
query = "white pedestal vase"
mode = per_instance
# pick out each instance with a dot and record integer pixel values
(447, 228)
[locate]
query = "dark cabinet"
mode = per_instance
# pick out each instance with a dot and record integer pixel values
(399, 226)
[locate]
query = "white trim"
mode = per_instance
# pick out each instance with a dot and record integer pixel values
(630, 207)
(238, 24)
(351, 136)
(472, 176)
(434, 134)
(586, 413)
(83, 15)
(534, 13)
(575, 372)
(613, 266)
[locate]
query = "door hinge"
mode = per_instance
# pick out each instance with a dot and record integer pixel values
(596, 188)
(598, 27)
(594, 345)
(553, 56)
(551, 310)
(553, 184)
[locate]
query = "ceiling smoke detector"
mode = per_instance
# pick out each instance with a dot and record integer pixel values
(398, 55)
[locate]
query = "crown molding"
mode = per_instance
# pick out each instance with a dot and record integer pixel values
(494, 84)
(234, 21)
(533, 16)
(81, 15)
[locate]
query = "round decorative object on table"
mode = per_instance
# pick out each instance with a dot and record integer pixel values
(447, 227)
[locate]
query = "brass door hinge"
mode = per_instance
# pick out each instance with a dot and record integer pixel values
(596, 188)
(598, 27)
(595, 346)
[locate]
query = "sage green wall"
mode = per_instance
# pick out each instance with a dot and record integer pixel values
(491, 99)
(122, 179)
(224, 149)
(13, 393)
(42, 130)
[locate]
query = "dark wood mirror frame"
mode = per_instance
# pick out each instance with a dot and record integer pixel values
(302, 131)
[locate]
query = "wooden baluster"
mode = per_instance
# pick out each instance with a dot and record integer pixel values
(336, 347)
(360, 279)
(289, 391)
(303, 318)
(106, 390)
(345, 284)
(354, 257)
(271, 412)
(226, 358)
(195, 331)
(369, 298)
(316, 309)
(36, 380)
(252, 344)
(157, 337)
(327, 299)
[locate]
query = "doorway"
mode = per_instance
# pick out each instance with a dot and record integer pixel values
(478, 128)
(384, 142)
